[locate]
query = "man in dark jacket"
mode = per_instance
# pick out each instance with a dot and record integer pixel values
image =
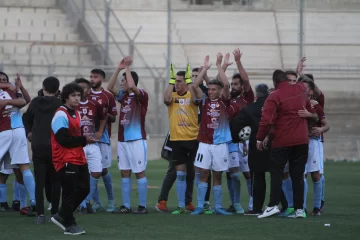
(258, 161)
(37, 121)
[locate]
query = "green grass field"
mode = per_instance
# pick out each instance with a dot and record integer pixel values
(341, 211)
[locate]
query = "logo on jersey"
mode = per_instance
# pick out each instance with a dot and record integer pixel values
(93, 98)
(84, 111)
(90, 112)
(181, 101)
(225, 160)
(187, 101)
(100, 101)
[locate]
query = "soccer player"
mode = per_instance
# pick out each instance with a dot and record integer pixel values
(69, 159)
(313, 166)
(290, 140)
(37, 121)
(106, 100)
(214, 134)
(241, 95)
(132, 147)
(93, 116)
(13, 138)
(4, 174)
(183, 118)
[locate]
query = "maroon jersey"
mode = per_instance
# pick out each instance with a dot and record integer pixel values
(5, 112)
(214, 124)
(239, 102)
(90, 113)
(132, 115)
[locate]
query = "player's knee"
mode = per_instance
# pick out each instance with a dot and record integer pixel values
(247, 175)
(3, 178)
(204, 175)
(140, 175)
(235, 176)
(96, 175)
(180, 176)
(233, 170)
(24, 167)
(315, 176)
(125, 173)
(104, 172)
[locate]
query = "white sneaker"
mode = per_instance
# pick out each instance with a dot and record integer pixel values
(269, 211)
(50, 206)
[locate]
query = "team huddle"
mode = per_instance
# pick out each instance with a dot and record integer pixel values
(215, 127)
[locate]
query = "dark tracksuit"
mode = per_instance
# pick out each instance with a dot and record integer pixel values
(37, 120)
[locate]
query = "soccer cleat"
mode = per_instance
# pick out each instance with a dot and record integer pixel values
(287, 212)
(231, 209)
(252, 213)
(221, 211)
(161, 206)
(50, 206)
(207, 207)
(40, 219)
(141, 210)
(316, 212)
(178, 211)
(4, 207)
(111, 206)
(190, 207)
(322, 206)
(269, 211)
(74, 230)
(122, 210)
(238, 208)
(198, 211)
(97, 207)
(299, 213)
(26, 211)
(16, 206)
(58, 221)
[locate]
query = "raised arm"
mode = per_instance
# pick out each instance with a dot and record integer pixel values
(199, 79)
(111, 85)
(222, 76)
(243, 74)
(20, 87)
(170, 87)
(300, 66)
(130, 81)
(226, 63)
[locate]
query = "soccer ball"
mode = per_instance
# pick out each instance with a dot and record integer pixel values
(244, 133)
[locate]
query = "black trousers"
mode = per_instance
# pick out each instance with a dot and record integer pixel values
(46, 177)
(170, 178)
(75, 187)
(258, 190)
(297, 156)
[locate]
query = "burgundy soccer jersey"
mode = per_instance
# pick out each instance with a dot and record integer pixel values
(132, 115)
(214, 124)
(240, 102)
(91, 113)
(5, 112)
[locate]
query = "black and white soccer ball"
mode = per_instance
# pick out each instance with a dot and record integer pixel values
(244, 133)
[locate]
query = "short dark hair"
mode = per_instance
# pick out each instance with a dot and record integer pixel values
(98, 71)
(181, 74)
(134, 76)
(70, 88)
(216, 82)
(237, 76)
(291, 72)
(51, 84)
(309, 75)
(279, 76)
(83, 80)
(195, 69)
(262, 90)
(308, 80)
(7, 77)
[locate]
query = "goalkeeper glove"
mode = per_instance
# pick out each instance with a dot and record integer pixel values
(172, 75)
(188, 75)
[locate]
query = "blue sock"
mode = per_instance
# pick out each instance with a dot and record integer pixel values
(197, 179)
(305, 192)
(96, 196)
(29, 183)
(22, 195)
(201, 192)
(142, 190)
(230, 189)
(108, 186)
(3, 197)
(126, 191)
(217, 196)
(288, 192)
(235, 182)
(16, 191)
(248, 183)
(317, 194)
(93, 187)
(181, 188)
(322, 187)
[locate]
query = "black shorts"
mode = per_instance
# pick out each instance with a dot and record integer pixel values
(184, 151)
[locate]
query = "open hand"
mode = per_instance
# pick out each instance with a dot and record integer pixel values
(304, 113)
(301, 65)
(122, 64)
(237, 55)
(207, 63)
(227, 60)
(219, 58)
(127, 61)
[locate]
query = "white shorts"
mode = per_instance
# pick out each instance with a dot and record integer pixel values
(93, 158)
(213, 157)
(3, 170)
(234, 161)
(321, 145)
(14, 141)
(132, 155)
(105, 150)
(313, 162)
(243, 161)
